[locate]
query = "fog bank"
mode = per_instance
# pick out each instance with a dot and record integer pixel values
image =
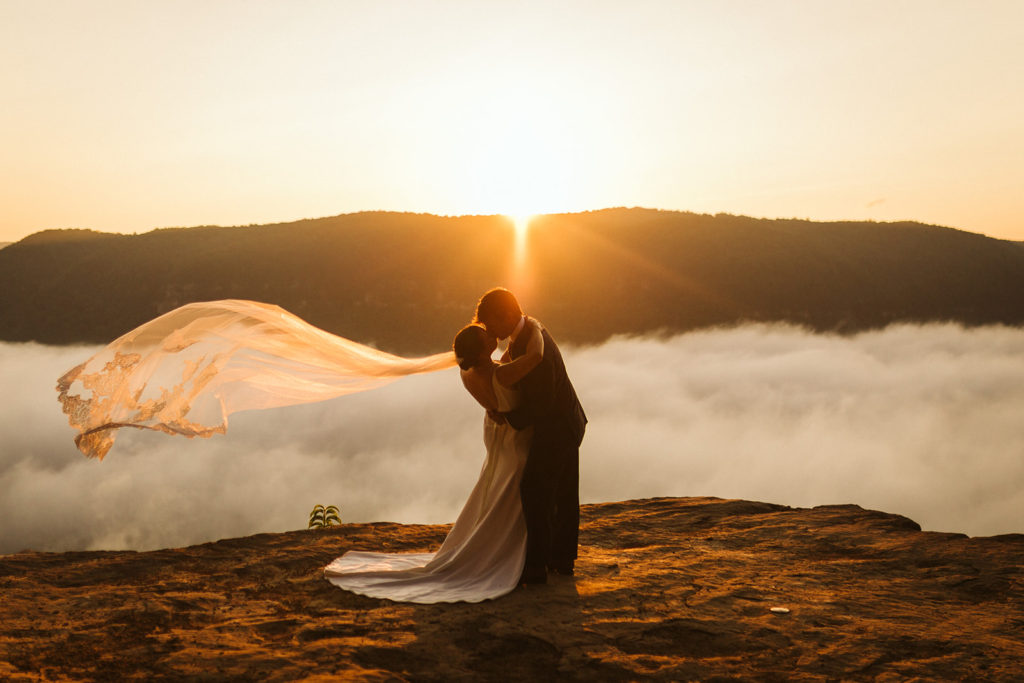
(924, 421)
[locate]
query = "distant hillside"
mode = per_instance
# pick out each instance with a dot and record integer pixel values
(407, 282)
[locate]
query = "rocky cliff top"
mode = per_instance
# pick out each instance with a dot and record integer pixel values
(674, 589)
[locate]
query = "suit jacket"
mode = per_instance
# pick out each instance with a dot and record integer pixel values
(548, 400)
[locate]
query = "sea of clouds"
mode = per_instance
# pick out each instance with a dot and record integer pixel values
(924, 421)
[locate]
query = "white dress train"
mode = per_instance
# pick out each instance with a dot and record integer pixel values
(481, 558)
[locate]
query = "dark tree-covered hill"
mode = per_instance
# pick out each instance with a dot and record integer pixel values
(407, 282)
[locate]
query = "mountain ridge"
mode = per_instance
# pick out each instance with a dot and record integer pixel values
(407, 281)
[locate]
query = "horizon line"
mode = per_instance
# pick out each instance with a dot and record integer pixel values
(503, 215)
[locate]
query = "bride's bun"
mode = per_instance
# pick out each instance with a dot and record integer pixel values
(469, 343)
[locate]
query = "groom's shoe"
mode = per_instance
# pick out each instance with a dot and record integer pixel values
(562, 569)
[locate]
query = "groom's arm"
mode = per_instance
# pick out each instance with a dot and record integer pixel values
(512, 372)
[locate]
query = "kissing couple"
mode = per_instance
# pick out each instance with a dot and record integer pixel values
(187, 370)
(521, 520)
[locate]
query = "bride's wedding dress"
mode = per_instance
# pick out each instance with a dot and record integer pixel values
(481, 558)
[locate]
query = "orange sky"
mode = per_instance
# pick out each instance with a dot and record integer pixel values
(126, 116)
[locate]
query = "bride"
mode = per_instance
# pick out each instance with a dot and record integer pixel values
(482, 556)
(186, 371)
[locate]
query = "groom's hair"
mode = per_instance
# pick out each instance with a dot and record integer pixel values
(495, 302)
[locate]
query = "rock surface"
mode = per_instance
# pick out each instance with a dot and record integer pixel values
(674, 589)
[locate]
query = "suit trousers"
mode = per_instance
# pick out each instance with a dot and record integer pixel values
(551, 499)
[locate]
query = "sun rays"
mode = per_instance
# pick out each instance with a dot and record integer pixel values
(520, 279)
(522, 227)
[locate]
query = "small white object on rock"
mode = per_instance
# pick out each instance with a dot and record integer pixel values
(779, 610)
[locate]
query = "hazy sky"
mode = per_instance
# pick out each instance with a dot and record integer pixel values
(122, 115)
(920, 421)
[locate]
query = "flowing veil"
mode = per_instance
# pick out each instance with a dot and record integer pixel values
(187, 370)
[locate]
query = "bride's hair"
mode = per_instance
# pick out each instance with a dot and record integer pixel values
(496, 301)
(469, 343)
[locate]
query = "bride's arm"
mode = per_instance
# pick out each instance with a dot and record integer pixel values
(509, 374)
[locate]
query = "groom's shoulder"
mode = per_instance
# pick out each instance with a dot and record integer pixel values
(549, 340)
(539, 326)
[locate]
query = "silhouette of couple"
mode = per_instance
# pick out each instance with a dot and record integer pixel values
(521, 520)
(187, 370)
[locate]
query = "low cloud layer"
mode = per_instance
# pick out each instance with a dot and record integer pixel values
(921, 421)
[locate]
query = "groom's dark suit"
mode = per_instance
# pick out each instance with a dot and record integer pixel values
(550, 487)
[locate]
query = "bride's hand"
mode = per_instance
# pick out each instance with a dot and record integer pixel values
(496, 417)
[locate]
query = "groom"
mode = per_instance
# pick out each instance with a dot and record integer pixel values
(550, 486)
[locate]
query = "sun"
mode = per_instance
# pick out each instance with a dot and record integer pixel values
(515, 152)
